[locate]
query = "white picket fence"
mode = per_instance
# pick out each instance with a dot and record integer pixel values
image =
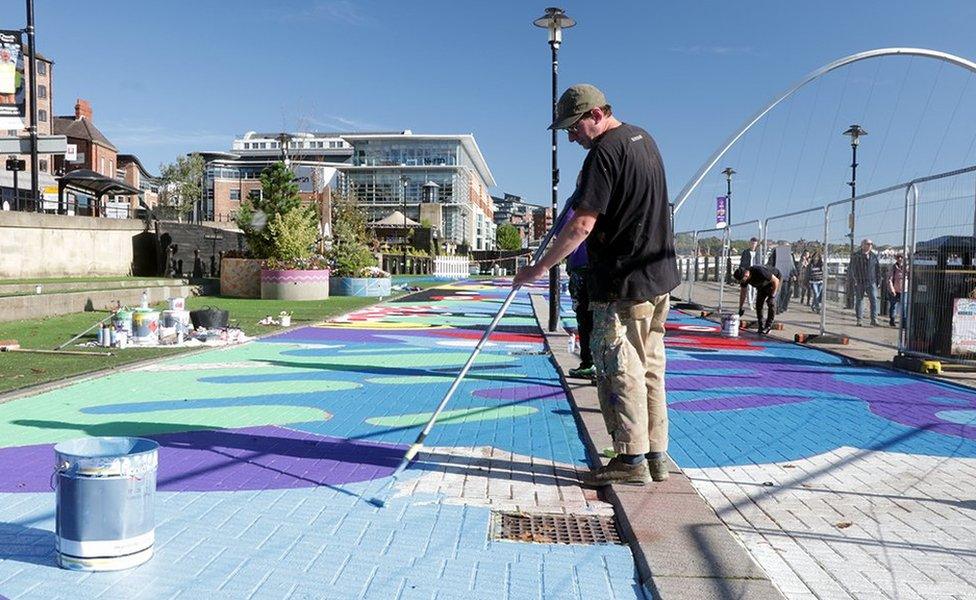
(452, 267)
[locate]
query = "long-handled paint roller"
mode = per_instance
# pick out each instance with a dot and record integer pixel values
(419, 443)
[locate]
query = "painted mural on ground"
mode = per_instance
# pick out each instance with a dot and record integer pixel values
(268, 452)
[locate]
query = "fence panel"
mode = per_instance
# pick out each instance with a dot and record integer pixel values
(711, 260)
(857, 295)
(940, 305)
(793, 242)
(684, 245)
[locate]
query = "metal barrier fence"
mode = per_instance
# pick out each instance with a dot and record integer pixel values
(913, 289)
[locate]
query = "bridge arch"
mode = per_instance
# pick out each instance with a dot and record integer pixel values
(853, 58)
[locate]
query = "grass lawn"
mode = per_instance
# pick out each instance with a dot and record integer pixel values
(21, 369)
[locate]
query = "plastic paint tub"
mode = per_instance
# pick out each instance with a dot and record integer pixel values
(105, 491)
(124, 319)
(730, 325)
(145, 326)
(177, 303)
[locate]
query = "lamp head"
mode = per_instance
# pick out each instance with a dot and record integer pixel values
(855, 131)
(555, 20)
(728, 172)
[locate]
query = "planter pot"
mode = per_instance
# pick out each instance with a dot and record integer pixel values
(240, 277)
(294, 284)
(360, 286)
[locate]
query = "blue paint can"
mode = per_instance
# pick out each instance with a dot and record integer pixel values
(106, 488)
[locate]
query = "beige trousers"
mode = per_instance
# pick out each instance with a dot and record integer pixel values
(628, 352)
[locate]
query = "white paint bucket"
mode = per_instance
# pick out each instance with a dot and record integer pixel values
(730, 325)
(286, 320)
(177, 303)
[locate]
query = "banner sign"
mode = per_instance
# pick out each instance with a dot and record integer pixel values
(963, 327)
(12, 96)
(721, 212)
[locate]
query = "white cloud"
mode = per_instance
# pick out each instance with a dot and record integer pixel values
(340, 122)
(124, 134)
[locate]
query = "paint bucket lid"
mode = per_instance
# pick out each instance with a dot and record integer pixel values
(106, 456)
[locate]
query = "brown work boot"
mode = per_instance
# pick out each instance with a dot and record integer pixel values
(658, 468)
(617, 471)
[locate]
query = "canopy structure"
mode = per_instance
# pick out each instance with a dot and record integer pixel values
(395, 219)
(95, 184)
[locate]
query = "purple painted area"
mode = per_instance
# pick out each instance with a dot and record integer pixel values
(253, 458)
(737, 402)
(525, 392)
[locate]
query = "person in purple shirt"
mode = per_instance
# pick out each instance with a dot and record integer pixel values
(576, 266)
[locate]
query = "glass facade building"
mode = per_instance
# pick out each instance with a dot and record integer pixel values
(373, 167)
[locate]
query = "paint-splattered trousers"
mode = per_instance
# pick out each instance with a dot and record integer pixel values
(628, 351)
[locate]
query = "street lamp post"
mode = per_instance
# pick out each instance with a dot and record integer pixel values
(728, 172)
(855, 132)
(404, 181)
(32, 129)
(555, 20)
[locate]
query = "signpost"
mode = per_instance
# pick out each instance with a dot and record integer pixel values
(46, 144)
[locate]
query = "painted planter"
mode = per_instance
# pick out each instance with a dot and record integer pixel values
(293, 284)
(360, 286)
(240, 277)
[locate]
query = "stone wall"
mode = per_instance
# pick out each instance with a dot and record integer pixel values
(41, 245)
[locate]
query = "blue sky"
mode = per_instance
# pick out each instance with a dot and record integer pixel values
(166, 78)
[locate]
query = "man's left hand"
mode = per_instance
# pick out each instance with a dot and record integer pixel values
(528, 275)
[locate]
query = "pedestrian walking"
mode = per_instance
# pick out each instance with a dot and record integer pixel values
(865, 275)
(815, 279)
(802, 278)
(767, 282)
(896, 288)
(782, 259)
(622, 211)
(751, 257)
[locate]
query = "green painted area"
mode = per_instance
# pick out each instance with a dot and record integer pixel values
(455, 417)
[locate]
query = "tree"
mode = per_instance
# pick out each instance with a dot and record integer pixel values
(181, 184)
(279, 197)
(508, 237)
(350, 252)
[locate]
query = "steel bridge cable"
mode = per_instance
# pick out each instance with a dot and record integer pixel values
(952, 119)
(884, 140)
(755, 167)
(779, 153)
(833, 126)
(806, 134)
(918, 125)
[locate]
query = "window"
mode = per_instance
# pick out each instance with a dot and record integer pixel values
(235, 194)
(42, 91)
(41, 69)
(254, 194)
(42, 165)
(42, 116)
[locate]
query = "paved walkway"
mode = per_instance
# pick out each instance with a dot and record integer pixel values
(843, 481)
(270, 449)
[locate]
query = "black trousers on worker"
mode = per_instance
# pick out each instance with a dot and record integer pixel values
(764, 295)
(584, 318)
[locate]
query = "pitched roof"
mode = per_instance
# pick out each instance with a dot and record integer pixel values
(81, 128)
(395, 219)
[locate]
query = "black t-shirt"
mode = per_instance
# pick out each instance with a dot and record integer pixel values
(631, 247)
(761, 276)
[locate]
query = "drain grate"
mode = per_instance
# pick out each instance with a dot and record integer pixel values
(554, 529)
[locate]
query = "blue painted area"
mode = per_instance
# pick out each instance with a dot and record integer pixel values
(320, 542)
(797, 402)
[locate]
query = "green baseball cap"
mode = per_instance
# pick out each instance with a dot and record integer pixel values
(575, 102)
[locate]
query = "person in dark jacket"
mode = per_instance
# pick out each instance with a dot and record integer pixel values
(815, 279)
(766, 281)
(750, 257)
(865, 276)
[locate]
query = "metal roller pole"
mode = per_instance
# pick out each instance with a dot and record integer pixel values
(419, 442)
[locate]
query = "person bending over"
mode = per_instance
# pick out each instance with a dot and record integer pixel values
(766, 281)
